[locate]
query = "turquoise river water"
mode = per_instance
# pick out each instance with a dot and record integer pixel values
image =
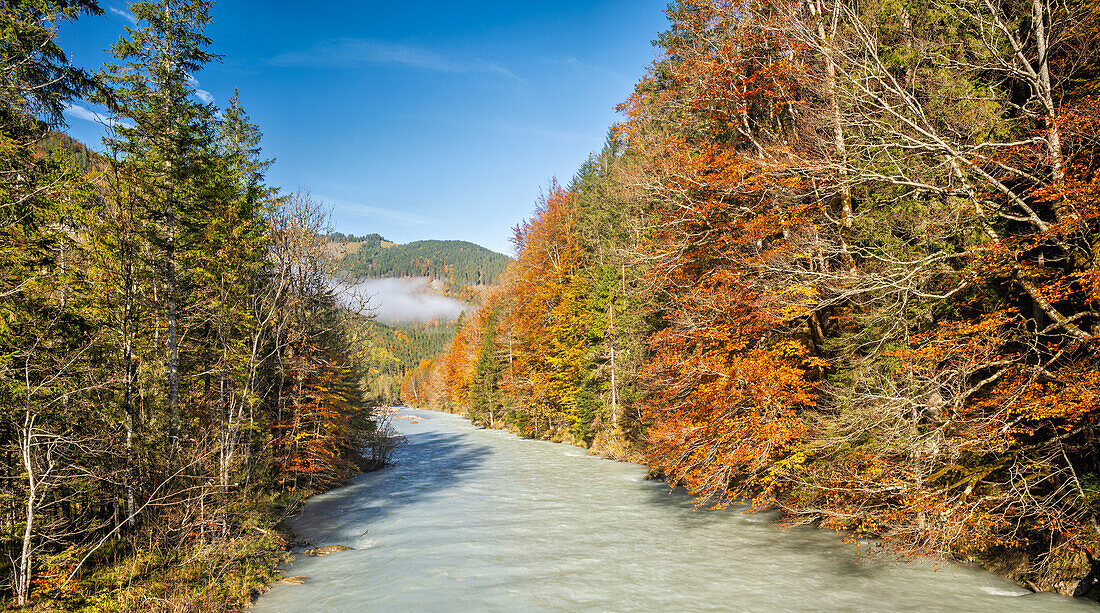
(479, 520)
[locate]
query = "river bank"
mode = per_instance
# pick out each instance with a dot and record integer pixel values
(224, 564)
(219, 572)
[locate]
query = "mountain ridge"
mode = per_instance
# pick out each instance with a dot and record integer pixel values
(459, 263)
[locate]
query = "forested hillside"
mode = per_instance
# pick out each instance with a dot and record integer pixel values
(58, 144)
(840, 260)
(458, 263)
(175, 370)
(387, 353)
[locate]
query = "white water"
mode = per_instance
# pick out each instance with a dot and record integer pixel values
(479, 520)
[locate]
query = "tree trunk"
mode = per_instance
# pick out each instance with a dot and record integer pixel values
(26, 447)
(825, 40)
(610, 338)
(128, 377)
(173, 324)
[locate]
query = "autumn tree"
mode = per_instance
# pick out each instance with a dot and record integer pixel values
(873, 267)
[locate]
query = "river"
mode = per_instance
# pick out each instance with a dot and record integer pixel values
(479, 520)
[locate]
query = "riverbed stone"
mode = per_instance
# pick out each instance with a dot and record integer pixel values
(315, 552)
(296, 580)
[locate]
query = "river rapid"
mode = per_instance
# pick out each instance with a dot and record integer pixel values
(479, 520)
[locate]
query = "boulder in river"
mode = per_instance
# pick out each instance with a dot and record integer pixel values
(315, 552)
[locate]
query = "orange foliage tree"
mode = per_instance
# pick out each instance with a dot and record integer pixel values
(879, 307)
(546, 319)
(868, 259)
(316, 427)
(729, 371)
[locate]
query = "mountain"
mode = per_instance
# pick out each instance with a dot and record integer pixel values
(414, 318)
(459, 264)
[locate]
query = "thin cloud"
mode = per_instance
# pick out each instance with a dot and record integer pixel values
(497, 68)
(575, 63)
(371, 211)
(351, 52)
(78, 112)
(127, 15)
(203, 95)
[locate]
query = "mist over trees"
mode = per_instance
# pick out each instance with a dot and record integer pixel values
(406, 300)
(839, 260)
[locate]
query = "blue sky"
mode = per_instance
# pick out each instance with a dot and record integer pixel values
(422, 119)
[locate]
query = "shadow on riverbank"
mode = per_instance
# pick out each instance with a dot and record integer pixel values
(428, 465)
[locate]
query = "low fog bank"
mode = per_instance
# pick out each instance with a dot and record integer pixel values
(395, 300)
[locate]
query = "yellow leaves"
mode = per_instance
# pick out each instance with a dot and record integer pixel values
(797, 301)
(545, 323)
(787, 466)
(798, 349)
(547, 318)
(814, 361)
(790, 349)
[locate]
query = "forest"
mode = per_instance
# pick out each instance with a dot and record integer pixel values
(460, 264)
(386, 353)
(176, 372)
(840, 260)
(388, 350)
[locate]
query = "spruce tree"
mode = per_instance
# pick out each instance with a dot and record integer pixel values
(163, 132)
